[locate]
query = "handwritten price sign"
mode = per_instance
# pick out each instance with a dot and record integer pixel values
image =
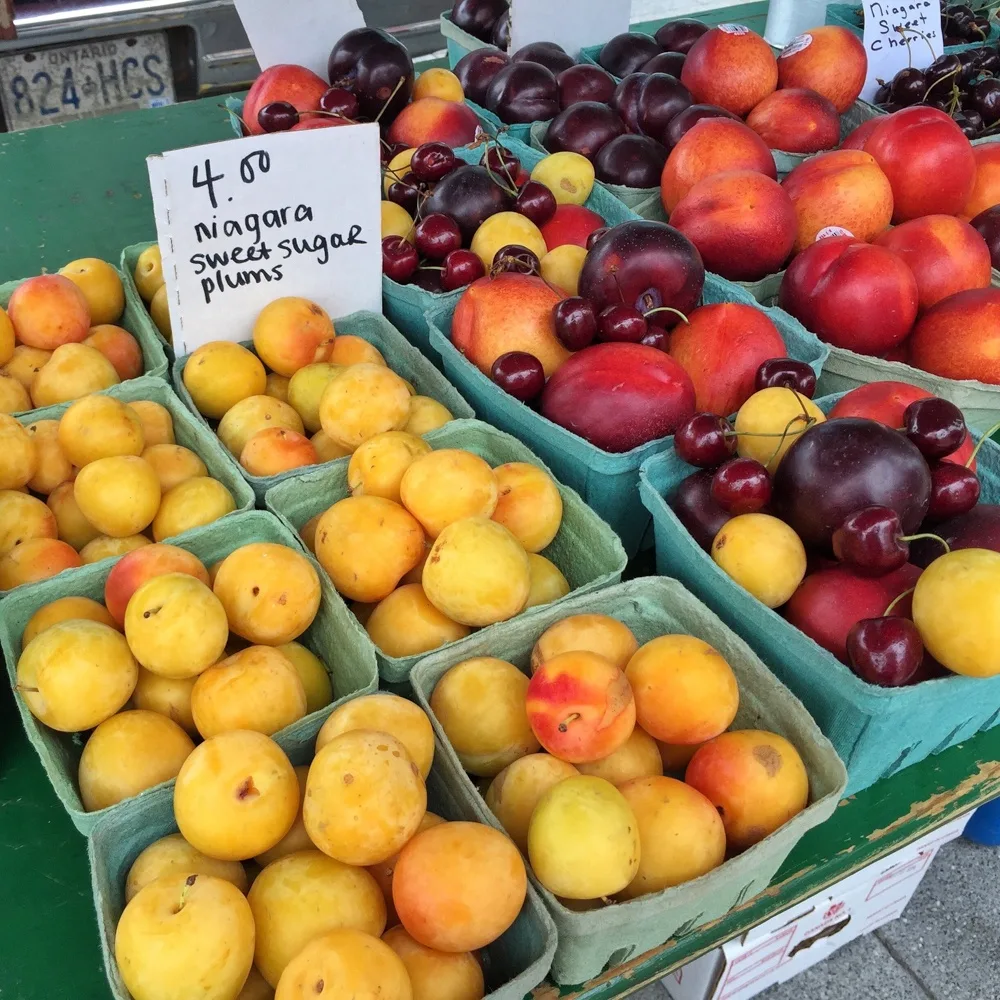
(243, 222)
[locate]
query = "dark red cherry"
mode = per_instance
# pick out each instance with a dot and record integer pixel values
(786, 373)
(954, 490)
(886, 651)
(623, 324)
(515, 259)
(536, 202)
(741, 486)
(519, 375)
(433, 161)
(436, 236)
(576, 323)
(404, 194)
(337, 101)
(871, 541)
(657, 338)
(400, 259)
(278, 116)
(935, 426)
(705, 440)
(461, 268)
(502, 163)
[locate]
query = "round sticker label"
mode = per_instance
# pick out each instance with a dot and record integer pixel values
(734, 29)
(833, 231)
(796, 45)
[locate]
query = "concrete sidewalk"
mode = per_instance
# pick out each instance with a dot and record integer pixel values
(946, 946)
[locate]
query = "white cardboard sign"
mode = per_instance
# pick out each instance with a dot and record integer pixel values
(297, 31)
(574, 24)
(900, 34)
(243, 222)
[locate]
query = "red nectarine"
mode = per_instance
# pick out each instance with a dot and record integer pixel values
(796, 121)
(732, 67)
(829, 60)
(986, 187)
(960, 337)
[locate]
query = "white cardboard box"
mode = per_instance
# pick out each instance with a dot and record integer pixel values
(810, 932)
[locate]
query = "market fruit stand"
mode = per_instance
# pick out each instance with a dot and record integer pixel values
(83, 189)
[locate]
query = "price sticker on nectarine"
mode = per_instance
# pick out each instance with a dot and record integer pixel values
(898, 35)
(244, 222)
(574, 26)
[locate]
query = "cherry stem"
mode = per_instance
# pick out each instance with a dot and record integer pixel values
(798, 399)
(933, 537)
(892, 607)
(788, 432)
(667, 309)
(395, 91)
(954, 72)
(980, 443)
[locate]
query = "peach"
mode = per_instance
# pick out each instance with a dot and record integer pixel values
(528, 504)
(477, 573)
(755, 779)
(157, 423)
(174, 464)
(946, 256)
(291, 333)
(254, 414)
(26, 363)
(796, 120)
(64, 609)
(743, 223)
(580, 707)
(406, 623)
(23, 517)
(986, 188)
(127, 754)
(275, 450)
(732, 67)
(480, 704)
(851, 294)
(271, 593)
(441, 487)
(713, 146)
(167, 696)
(105, 547)
(132, 571)
(519, 787)
(74, 528)
(14, 397)
(53, 468)
(681, 836)
(377, 467)
(256, 688)
(99, 427)
(172, 855)
(512, 312)
(721, 347)
(119, 347)
(306, 388)
(434, 119)
(367, 544)
(219, 374)
(685, 691)
(236, 796)
(386, 713)
(312, 673)
(355, 964)
(296, 839)
(350, 350)
(960, 337)
(303, 895)
(101, 286)
(18, 454)
(547, 582)
(437, 975)
(49, 311)
(76, 674)
(209, 926)
(120, 496)
(591, 633)
(300, 87)
(36, 559)
(190, 504)
(929, 162)
(845, 189)
(73, 371)
(364, 797)
(829, 60)
(637, 757)
(458, 886)
(583, 840)
(362, 401)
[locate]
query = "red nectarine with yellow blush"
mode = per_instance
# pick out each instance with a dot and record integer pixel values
(49, 311)
(433, 119)
(960, 337)
(986, 187)
(732, 67)
(796, 121)
(298, 86)
(829, 60)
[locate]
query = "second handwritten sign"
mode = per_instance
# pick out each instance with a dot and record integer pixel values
(243, 222)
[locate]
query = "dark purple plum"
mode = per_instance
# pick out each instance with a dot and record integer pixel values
(501, 33)
(479, 17)
(978, 529)
(523, 92)
(661, 98)
(647, 265)
(585, 83)
(683, 122)
(680, 35)
(634, 161)
(666, 62)
(583, 128)
(696, 510)
(625, 100)
(476, 70)
(547, 54)
(844, 465)
(470, 196)
(370, 63)
(626, 53)
(988, 225)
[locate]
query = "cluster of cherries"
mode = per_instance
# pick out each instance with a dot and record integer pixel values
(338, 103)
(962, 25)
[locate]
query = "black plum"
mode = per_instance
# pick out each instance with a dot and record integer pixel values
(634, 161)
(470, 196)
(476, 70)
(627, 53)
(548, 54)
(583, 128)
(523, 92)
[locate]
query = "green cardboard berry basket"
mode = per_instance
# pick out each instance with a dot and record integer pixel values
(460, 42)
(405, 360)
(591, 941)
(407, 306)
(135, 319)
(877, 731)
(513, 965)
(586, 550)
(129, 259)
(187, 432)
(608, 482)
(335, 637)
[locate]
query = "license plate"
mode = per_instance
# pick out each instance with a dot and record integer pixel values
(49, 86)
